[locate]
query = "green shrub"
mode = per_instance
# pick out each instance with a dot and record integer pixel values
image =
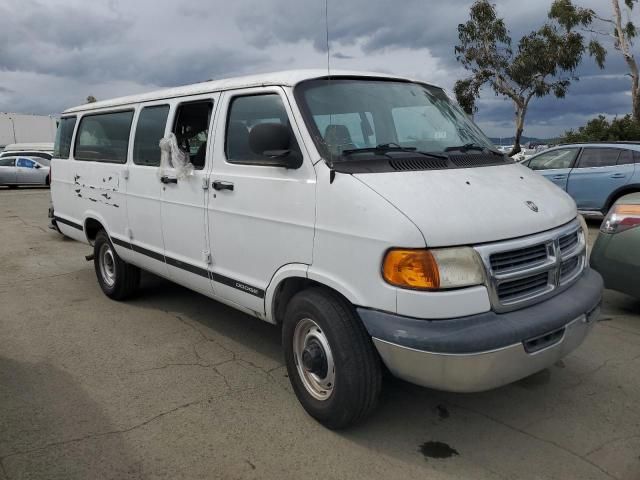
(602, 130)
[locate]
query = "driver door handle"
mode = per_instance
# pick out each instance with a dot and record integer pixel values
(220, 185)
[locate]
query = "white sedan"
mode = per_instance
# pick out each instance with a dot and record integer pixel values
(19, 170)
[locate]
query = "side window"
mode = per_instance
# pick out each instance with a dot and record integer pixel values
(25, 163)
(598, 157)
(104, 137)
(149, 131)
(7, 162)
(244, 114)
(191, 128)
(626, 157)
(562, 158)
(62, 147)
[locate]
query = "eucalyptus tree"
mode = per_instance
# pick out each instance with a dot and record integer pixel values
(612, 26)
(542, 63)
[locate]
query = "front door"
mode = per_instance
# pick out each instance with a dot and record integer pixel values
(261, 217)
(144, 189)
(184, 197)
(598, 173)
(26, 171)
(555, 165)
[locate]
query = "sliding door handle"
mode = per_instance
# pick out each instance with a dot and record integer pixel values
(220, 185)
(165, 179)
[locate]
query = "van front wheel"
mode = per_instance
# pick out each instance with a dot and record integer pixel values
(118, 279)
(332, 363)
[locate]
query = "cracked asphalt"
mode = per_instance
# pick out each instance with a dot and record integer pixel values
(174, 385)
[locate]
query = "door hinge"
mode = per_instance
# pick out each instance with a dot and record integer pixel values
(129, 233)
(207, 257)
(125, 173)
(205, 183)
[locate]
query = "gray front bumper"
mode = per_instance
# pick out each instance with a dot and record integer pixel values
(488, 350)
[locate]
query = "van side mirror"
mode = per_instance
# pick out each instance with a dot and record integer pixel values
(274, 140)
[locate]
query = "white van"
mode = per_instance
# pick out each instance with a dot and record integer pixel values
(364, 213)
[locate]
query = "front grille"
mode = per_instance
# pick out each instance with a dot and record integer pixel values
(520, 258)
(568, 242)
(569, 267)
(527, 270)
(510, 291)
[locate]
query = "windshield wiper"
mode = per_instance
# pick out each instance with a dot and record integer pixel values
(384, 148)
(472, 146)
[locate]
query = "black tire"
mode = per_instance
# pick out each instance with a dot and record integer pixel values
(358, 379)
(122, 279)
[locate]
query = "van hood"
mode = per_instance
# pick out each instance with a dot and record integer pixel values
(474, 205)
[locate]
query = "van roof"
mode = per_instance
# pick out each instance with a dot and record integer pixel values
(284, 78)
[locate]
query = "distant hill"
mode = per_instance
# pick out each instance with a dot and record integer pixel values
(523, 140)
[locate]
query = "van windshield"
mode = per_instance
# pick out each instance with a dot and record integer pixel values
(349, 116)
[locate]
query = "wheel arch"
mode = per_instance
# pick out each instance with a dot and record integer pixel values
(92, 224)
(290, 280)
(616, 194)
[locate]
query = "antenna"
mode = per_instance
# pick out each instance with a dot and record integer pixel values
(326, 24)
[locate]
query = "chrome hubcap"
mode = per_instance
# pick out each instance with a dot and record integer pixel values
(107, 264)
(314, 359)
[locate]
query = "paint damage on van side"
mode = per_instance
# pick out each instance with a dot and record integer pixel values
(94, 192)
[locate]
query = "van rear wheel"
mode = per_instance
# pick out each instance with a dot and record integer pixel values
(332, 363)
(118, 279)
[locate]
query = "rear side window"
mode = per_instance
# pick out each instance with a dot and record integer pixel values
(244, 114)
(62, 147)
(626, 157)
(149, 132)
(598, 157)
(104, 137)
(7, 162)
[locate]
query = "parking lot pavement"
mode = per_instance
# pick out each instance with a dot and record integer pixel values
(174, 385)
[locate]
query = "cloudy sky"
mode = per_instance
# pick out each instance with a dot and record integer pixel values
(53, 53)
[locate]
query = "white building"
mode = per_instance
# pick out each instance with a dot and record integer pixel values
(24, 128)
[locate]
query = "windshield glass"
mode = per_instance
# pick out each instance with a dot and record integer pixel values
(347, 114)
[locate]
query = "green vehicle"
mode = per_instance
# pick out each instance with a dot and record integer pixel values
(616, 253)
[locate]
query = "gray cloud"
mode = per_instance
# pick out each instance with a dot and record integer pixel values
(54, 54)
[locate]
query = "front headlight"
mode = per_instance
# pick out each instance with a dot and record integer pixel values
(433, 269)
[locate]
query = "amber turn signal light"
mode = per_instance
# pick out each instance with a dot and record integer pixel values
(411, 269)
